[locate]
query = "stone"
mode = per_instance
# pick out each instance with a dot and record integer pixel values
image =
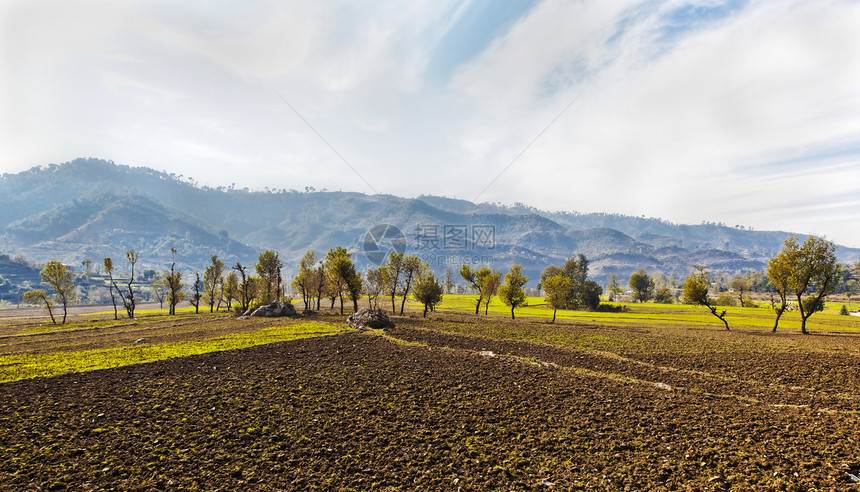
(275, 309)
(366, 318)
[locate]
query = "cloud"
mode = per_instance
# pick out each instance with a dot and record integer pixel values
(671, 131)
(690, 110)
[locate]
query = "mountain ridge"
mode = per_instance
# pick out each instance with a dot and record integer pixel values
(69, 211)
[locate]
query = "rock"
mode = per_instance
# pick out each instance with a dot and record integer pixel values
(309, 312)
(366, 318)
(141, 340)
(275, 309)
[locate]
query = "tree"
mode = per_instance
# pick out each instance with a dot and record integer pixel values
(664, 295)
(580, 291)
(157, 284)
(740, 284)
(511, 292)
(246, 289)
(576, 270)
(174, 286)
(589, 294)
(489, 288)
(696, 292)
(449, 280)
(344, 278)
(411, 268)
(213, 278)
(130, 301)
(557, 289)
(780, 272)
(374, 284)
(475, 279)
(393, 271)
(108, 263)
(269, 269)
(427, 290)
(39, 296)
(613, 287)
(61, 281)
(642, 286)
(305, 278)
(196, 295)
(230, 289)
(816, 272)
(354, 284)
(319, 283)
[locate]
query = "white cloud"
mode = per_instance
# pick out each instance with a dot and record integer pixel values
(737, 115)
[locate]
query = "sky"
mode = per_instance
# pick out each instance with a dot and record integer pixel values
(740, 112)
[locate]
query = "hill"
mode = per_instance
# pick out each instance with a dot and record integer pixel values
(91, 208)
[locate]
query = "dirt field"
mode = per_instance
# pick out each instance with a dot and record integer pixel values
(420, 409)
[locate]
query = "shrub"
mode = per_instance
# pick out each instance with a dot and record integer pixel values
(725, 299)
(844, 310)
(664, 296)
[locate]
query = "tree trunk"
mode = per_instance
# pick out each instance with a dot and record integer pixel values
(355, 305)
(113, 299)
(778, 314)
(721, 316)
(341, 304)
(50, 313)
(803, 315)
(512, 313)
(553, 315)
(393, 306)
(403, 304)
(425, 310)
(478, 306)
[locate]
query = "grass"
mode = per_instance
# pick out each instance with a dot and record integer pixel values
(663, 314)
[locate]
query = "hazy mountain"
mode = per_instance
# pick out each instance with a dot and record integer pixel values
(90, 208)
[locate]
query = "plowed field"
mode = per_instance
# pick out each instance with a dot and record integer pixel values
(419, 409)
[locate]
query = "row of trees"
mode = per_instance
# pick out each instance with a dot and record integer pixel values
(336, 276)
(806, 272)
(218, 286)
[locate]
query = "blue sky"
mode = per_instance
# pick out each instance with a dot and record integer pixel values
(742, 112)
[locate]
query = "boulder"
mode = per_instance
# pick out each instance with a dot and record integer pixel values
(309, 312)
(276, 308)
(366, 318)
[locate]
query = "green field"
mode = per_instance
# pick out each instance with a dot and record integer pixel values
(31, 350)
(664, 314)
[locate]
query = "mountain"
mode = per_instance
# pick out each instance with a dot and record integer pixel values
(91, 208)
(108, 224)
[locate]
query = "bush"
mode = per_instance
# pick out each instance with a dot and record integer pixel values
(844, 310)
(664, 296)
(608, 308)
(725, 299)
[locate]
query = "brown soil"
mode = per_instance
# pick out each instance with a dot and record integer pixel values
(361, 412)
